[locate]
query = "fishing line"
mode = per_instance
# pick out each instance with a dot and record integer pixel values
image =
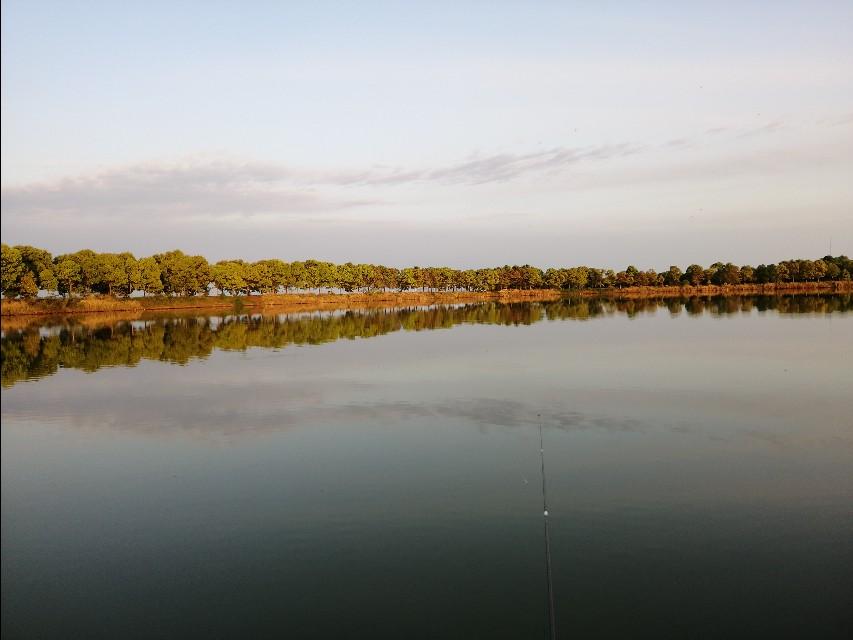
(552, 625)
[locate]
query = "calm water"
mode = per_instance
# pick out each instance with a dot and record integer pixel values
(368, 475)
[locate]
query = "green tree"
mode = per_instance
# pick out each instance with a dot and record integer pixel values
(27, 286)
(406, 279)
(11, 269)
(108, 273)
(348, 277)
(694, 275)
(182, 274)
(48, 280)
(228, 276)
(672, 278)
(576, 278)
(327, 275)
(67, 273)
(149, 277)
(130, 275)
(726, 274)
(818, 270)
(35, 261)
(364, 276)
(258, 277)
(833, 271)
(88, 269)
(278, 274)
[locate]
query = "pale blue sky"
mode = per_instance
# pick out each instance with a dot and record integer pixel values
(457, 133)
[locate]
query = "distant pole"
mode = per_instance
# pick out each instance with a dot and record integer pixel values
(552, 624)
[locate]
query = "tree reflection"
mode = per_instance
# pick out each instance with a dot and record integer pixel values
(40, 350)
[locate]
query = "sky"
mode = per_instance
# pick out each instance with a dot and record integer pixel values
(458, 133)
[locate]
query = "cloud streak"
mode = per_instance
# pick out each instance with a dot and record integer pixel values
(210, 188)
(176, 190)
(199, 187)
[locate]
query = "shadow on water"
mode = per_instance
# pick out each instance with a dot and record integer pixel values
(40, 349)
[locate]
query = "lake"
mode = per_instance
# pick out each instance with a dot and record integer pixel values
(376, 473)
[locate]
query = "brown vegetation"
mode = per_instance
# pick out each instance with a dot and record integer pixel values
(133, 307)
(60, 306)
(769, 288)
(281, 302)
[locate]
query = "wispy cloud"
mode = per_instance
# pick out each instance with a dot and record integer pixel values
(770, 127)
(203, 187)
(506, 166)
(223, 188)
(499, 167)
(837, 121)
(174, 190)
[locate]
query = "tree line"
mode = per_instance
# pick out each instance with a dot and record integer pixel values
(36, 350)
(28, 270)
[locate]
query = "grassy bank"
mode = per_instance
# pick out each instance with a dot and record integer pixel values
(61, 306)
(310, 302)
(279, 302)
(786, 288)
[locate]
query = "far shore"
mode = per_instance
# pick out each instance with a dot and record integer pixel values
(330, 301)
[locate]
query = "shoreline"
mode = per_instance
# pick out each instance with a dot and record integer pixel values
(329, 301)
(710, 290)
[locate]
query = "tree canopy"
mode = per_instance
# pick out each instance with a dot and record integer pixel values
(27, 270)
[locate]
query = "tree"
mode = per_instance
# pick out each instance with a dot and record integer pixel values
(406, 279)
(48, 280)
(11, 269)
(87, 264)
(297, 275)
(182, 274)
(672, 278)
(467, 280)
(327, 275)
(489, 279)
(228, 276)
(554, 278)
(108, 273)
(576, 278)
(627, 278)
(310, 275)
(129, 275)
(149, 276)
(725, 274)
(364, 276)
(278, 273)
(27, 286)
(648, 278)
(597, 278)
(68, 275)
(35, 261)
(818, 270)
(176, 273)
(348, 277)
(833, 271)
(694, 275)
(532, 278)
(198, 280)
(258, 277)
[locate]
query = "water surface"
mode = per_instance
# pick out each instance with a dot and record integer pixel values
(364, 474)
